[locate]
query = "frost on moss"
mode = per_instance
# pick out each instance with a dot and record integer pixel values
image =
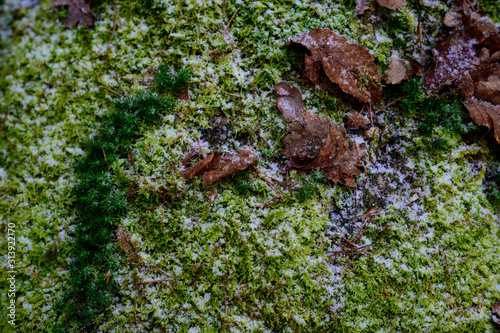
(434, 264)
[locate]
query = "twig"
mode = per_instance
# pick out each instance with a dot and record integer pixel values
(367, 214)
(152, 281)
(264, 177)
(160, 270)
(392, 102)
(274, 200)
(106, 278)
(224, 289)
(104, 153)
(349, 242)
(124, 92)
(371, 117)
(362, 226)
(5, 119)
(119, 18)
(363, 231)
(228, 270)
(352, 251)
(355, 200)
(111, 91)
(113, 32)
(231, 20)
(199, 146)
(235, 95)
(285, 184)
(190, 156)
(420, 41)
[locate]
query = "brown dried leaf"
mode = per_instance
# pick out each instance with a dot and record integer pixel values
(362, 7)
(349, 65)
(392, 4)
(485, 114)
(315, 143)
(184, 96)
(230, 164)
(496, 314)
(208, 163)
(356, 120)
(397, 71)
(78, 13)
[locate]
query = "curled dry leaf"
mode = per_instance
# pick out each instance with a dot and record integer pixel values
(215, 166)
(398, 71)
(496, 314)
(78, 13)
(392, 4)
(317, 144)
(362, 7)
(485, 114)
(356, 120)
(349, 65)
(230, 164)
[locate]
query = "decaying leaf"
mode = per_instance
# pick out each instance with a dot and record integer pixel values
(392, 4)
(356, 120)
(397, 71)
(215, 166)
(317, 144)
(230, 164)
(362, 7)
(463, 61)
(485, 114)
(349, 65)
(78, 13)
(496, 314)
(208, 163)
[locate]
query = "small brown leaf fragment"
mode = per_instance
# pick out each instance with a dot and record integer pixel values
(485, 114)
(356, 120)
(184, 96)
(208, 163)
(417, 68)
(230, 164)
(349, 65)
(392, 4)
(488, 91)
(397, 71)
(362, 7)
(78, 13)
(496, 314)
(315, 143)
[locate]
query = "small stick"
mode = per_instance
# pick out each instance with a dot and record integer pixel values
(362, 232)
(274, 200)
(355, 200)
(349, 242)
(235, 95)
(199, 146)
(113, 32)
(152, 281)
(263, 177)
(189, 156)
(104, 153)
(371, 117)
(392, 102)
(119, 18)
(106, 278)
(224, 289)
(111, 91)
(362, 226)
(420, 40)
(231, 20)
(284, 184)
(5, 119)
(124, 92)
(367, 214)
(228, 270)
(160, 270)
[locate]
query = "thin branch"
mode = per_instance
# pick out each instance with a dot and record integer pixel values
(274, 200)
(5, 119)
(230, 94)
(113, 32)
(371, 117)
(264, 178)
(367, 214)
(111, 91)
(152, 281)
(124, 91)
(228, 270)
(392, 102)
(231, 20)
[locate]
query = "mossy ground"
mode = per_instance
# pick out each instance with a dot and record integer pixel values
(235, 266)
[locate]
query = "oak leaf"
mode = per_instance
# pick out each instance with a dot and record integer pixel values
(315, 143)
(78, 13)
(349, 65)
